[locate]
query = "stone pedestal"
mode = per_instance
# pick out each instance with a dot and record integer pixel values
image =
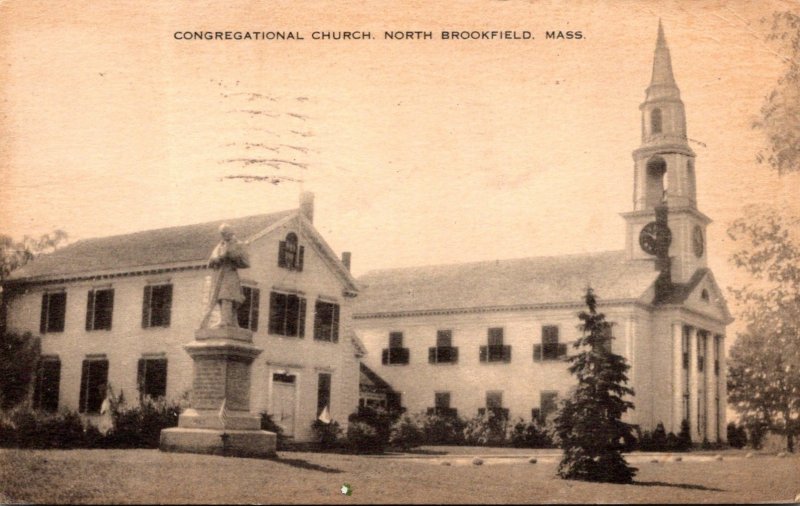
(222, 359)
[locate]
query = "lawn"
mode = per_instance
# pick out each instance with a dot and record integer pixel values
(149, 476)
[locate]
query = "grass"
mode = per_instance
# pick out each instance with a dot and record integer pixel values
(149, 476)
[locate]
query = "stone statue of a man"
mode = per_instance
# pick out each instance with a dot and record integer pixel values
(226, 290)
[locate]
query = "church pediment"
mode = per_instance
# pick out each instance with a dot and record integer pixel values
(703, 295)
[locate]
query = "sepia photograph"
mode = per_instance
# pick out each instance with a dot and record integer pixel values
(486, 251)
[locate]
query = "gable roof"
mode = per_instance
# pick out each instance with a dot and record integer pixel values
(681, 292)
(370, 380)
(164, 246)
(503, 283)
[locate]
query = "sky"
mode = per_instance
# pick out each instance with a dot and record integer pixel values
(419, 152)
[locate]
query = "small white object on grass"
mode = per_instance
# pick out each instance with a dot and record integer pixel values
(717, 457)
(477, 461)
(749, 455)
(797, 498)
(781, 454)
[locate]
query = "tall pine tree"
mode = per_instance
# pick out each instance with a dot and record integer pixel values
(590, 422)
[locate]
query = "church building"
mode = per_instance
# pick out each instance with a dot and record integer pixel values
(494, 335)
(118, 311)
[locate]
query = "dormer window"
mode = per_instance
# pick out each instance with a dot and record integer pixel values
(655, 121)
(704, 295)
(290, 253)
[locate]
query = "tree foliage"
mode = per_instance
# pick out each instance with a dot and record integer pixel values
(15, 254)
(590, 425)
(19, 358)
(780, 114)
(764, 363)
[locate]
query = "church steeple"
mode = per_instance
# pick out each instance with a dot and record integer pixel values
(664, 181)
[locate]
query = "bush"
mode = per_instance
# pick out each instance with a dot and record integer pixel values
(659, 438)
(19, 356)
(529, 435)
(364, 438)
(140, 426)
(407, 433)
(24, 428)
(379, 419)
(268, 424)
(737, 436)
(327, 434)
(442, 430)
(684, 437)
(485, 429)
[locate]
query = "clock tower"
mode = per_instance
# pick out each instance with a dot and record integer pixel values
(664, 180)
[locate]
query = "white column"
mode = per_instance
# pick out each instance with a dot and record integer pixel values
(722, 385)
(711, 391)
(692, 416)
(677, 378)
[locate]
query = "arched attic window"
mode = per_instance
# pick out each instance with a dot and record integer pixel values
(290, 254)
(656, 180)
(655, 121)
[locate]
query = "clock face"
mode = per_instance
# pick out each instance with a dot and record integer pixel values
(698, 243)
(651, 235)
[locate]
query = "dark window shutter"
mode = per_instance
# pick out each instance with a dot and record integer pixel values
(317, 322)
(292, 314)
(454, 355)
(537, 352)
(335, 324)
(483, 353)
(562, 349)
(90, 310)
(148, 292)
(301, 318)
(84, 386)
(43, 317)
(431, 355)
(57, 312)
(300, 255)
(167, 307)
(282, 254)
(50, 391)
(141, 374)
(273, 313)
(108, 309)
(385, 356)
(255, 301)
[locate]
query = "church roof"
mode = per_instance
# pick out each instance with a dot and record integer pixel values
(504, 283)
(163, 246)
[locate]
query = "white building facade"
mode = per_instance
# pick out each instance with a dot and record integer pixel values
(494, 335)
(118, 310)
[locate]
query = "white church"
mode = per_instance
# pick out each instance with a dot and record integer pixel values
(494, 335)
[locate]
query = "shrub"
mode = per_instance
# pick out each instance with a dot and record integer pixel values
(407, 433)
(364, 438)
(529, 435)
(19, 356)
(268, 424)
(684, 437)
(327, 434)
(24, 428)
(659, 438)
(673, 442)
(485, 429)
(140, 426)
(737, 437)
(379, 419)
(440, 429)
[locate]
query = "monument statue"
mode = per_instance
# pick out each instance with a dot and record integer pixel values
(226, 290)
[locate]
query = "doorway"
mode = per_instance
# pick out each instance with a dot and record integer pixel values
(284, 398)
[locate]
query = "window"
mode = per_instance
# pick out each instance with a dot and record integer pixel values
(287, 314)
(395, 353)
(496, 351)
(494, 405)
(704, 295)
(94, 381)
(48, 382)
(550, 349)
(99, 309)
(548, 406)
(443, 352)
(655, 121)
(247, 313)
(157, 306)
(656, 173)
(326, 322)
(441, 405)
(54, 307)
(290, 254)
(323, 392)
(151, 377)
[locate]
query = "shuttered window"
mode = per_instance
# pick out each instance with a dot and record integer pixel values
(99, 309)
(247, 313)
(287, 314)
(326, 321)
(290, 253)
(157, 306)
(48, 382)
(54, 309)
(94, 383)
(151, 377)
(323, 392)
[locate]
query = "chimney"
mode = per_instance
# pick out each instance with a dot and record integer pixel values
(664, 286)
(346, 259)
(307, 205)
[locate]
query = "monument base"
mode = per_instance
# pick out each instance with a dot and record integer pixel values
(234, 443)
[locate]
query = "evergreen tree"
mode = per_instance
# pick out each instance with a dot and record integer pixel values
(590, 425)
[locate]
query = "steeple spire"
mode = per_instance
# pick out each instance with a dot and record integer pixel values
(662, 63)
